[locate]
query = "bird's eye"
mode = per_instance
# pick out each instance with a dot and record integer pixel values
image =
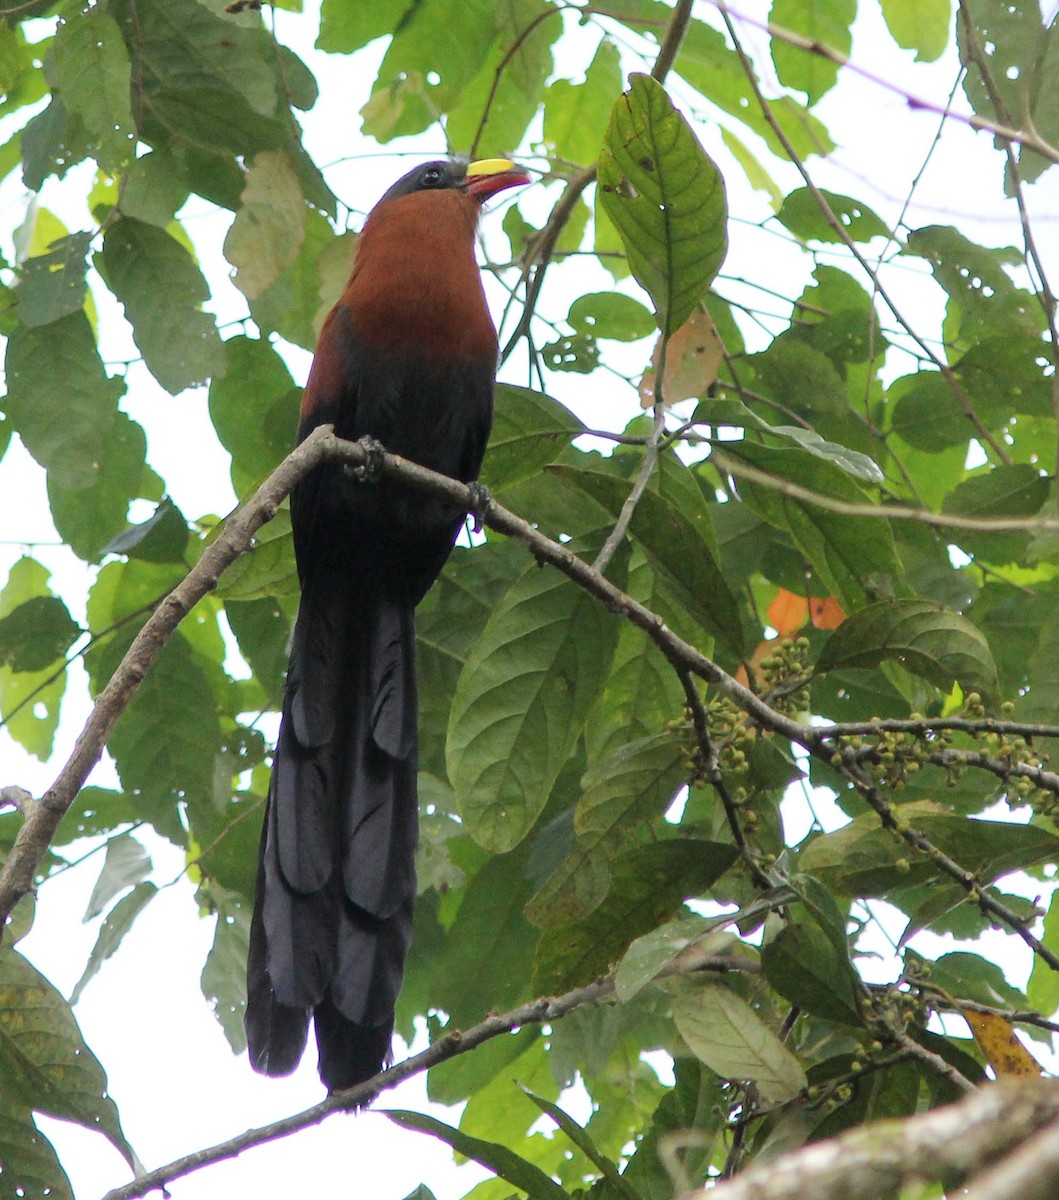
(433, 177)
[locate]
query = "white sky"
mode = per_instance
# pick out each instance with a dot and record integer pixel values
(176, 1084)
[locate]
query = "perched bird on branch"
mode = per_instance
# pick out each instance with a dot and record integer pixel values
(406, 357)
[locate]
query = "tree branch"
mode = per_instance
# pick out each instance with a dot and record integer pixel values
(16, 878)
(952, 1144)
(535, 1012)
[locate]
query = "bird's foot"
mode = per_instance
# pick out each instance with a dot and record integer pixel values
(480, 501)
(370, 471)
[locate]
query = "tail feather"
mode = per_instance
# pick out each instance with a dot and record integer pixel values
(333, 915)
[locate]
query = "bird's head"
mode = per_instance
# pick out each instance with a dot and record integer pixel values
(479, 180)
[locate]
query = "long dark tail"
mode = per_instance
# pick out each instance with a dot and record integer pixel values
(336, 877)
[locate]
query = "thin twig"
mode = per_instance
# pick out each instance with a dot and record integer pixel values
(1024, 137)
(982, 433)
(890, 512)
(536, 1012)
(543, 247)
(628, 509)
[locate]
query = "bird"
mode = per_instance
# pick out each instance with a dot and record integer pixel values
(407, 359)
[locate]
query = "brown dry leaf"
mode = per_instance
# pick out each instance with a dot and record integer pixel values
(788, 613)
(694, 356)
(1003, 1050)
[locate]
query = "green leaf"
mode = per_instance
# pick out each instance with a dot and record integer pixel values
(610, 315)
(163, 537)
(346, 27)
(576, 114)
(266, 570)
(646, 957)
(581, 1138)
(60, 399)
(254, 409)
(721, 411)
(165, 741)
(125, 864)
(521, 703)
(503, 1162)
(52, 285)
(29, 1158)
(711, 66)
(224, 972)
(725, 1033)
(457, 1078)
(633, 784)
(846, 552)
(666, 199)
(1012, 37)
(801, 964)
(295, 304)
(802, 216)
(36, 634)
(89, 67)
(975, 278)
(262, 629)
(29, 703)
(802, 379)
(626, 792)
(211, 77)
(449, 621)
(758, 178)
(117, 924)
(672, 525)
(269, 227)
(490, 946)
(648, 884)
(88, 516)
(44, 1063)
(940, 646)
(1042, 990)
(863, 859)
(162, 291)
(919, 25)
(1009, 490)
(530, 430)
(509, 86)
(435, 52)
(52, 142)
(826, 21)
(152, 189)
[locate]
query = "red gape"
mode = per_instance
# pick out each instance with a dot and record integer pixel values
(408, 357)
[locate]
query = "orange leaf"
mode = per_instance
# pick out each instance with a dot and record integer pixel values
(694, 354)
(788, 612)
(1003, 1050)
(826, 614)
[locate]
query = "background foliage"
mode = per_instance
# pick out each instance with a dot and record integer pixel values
(586, 803)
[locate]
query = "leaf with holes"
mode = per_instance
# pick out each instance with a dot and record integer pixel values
(666, 199)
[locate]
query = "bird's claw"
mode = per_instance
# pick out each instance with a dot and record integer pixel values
(480, 501)
(370, 471)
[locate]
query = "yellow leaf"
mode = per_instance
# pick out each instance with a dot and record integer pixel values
(1004, 1052)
